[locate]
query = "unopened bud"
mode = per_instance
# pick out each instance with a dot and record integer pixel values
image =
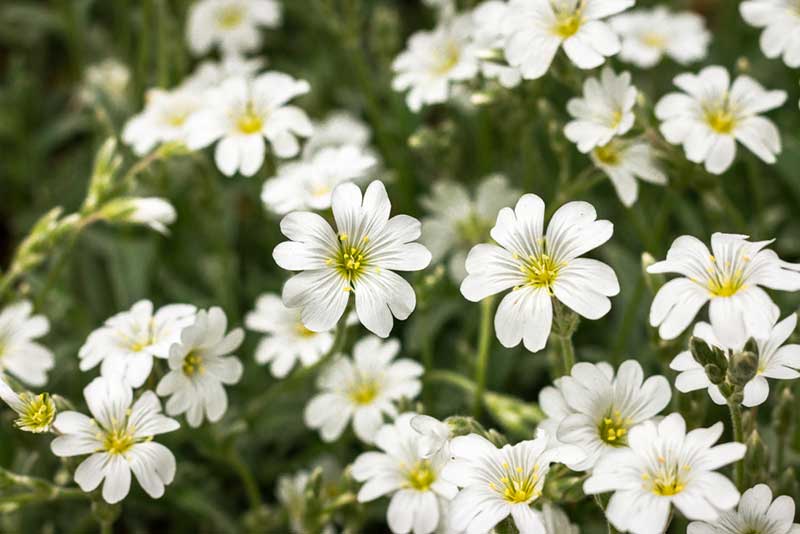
(706, 354)
(783, 415)
(757, 457)
(742, 369)
(653, 281)
(715, 375)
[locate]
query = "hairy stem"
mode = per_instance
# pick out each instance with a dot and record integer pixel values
(738, 436)
(482, 361)
(567, 353)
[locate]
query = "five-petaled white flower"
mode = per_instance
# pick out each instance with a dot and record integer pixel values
(541, 266)
(711, 115)
(360, 258)
(775, 360)
(731, 277)
(363, 389)
(757, 514)
(605, 111)
(200, 365)
(433, 60)
(623, 162)
(119, 438)
(781, 22)
(662, 466)
(20, 355)
(128, 341)
(36, 412)
(233, 25)
(420, 497)
(594, 410)
(497, 482)
(650, 34)
(165, 119)
(241, 113)
(538, 28)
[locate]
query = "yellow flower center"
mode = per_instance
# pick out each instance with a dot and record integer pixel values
(473, 229)
(301, 330)
(613, 429)
(654, 40)
(364, 392)
(721, 120)
(230, 17)
(447, 59)
(421, 476)
(39, 412)
(724, 281)
(192, 364)
(118, 441)
(249, 122)
(567, 24)
(540, 271)
(351, 260)
(667, 480)
(518, 485)
(176, 120)
(608, 154)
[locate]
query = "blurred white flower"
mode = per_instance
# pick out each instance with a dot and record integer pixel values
(119, 438)
(154, 212)
(291, 493)
(362, 389)
(200, 366)
(241, 113)
(128, 341)
(781, 22)
(538, 28)
(757, 513)
(594, 410)
(650, 34)
(433, 60)
(540, 266)
(233, 25)
(489, 37)
(556, 521)
(338, 129)
(775, 360)
(36, 412)
(664, 466)
(457, 220)
(20, 355)
(164, 119)
(730, 276)
(108, 77)
(434, 435)
(606, 110)
(419, 496)
(623, 162)
(209, 74)
(360, 258)
(711, 115)
(498, 482)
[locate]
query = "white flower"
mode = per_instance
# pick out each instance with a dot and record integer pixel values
(287, 340)
(537, 28)
(20, 355)
(209, 74)
(164, 119)
(498, 482)
(337, 130)
(119, 438)
(308, 183)
(458, 220)
(781, 22)
(233, 25)
(241, 113)
(433, 60)
(662, 466)
(556, 521)
(109, 77)
(757, 513)
(36, 412)
(650, 34)
(594, 410)
(541, 266)
(605, 111)
(730, 276)
(200, 366)
(363, 389)
(624, 161)
(291, 493)
(154, 212)
(711, 115)
(775, 360)
(128, 341)
(434, 434)
(360, 258)
(420, 496)
(489, 37)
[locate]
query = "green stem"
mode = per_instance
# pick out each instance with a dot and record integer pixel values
(482, 361)
(738, 436)
(567, 353)
(247, 478)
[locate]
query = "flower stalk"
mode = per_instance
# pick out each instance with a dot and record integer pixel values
(482, 361)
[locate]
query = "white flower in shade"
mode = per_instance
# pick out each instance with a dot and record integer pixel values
(209, 74)
(458, 220)
(538, 28)
(662, 466)
(153, 212)
(489, 37)
(757, 513)
(287, 340)
(781, 22)
(119, 438)
(36, 412)
(434, 434)
(339, 129)
(108, 78)
(556, 521)
(594, 410)
(420, 497)
(623, 162)
(362, 389)
(291, 493)
(360, 257)
(433, 60)
(650, 34)
(309, 183)
(200, 366)
(233, 25)
(497, 482)
(20, 355)
(775, 360)
(711, 115)
(730, 276)
(540, 266)
(164, 119)
(128, 341)
(241, 113)
(605, 111)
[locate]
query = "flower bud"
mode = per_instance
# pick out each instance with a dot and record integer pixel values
(513, 414)
(154, 212)
(706, 354)
(743, 367)
(715, 375)
(653, 281)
